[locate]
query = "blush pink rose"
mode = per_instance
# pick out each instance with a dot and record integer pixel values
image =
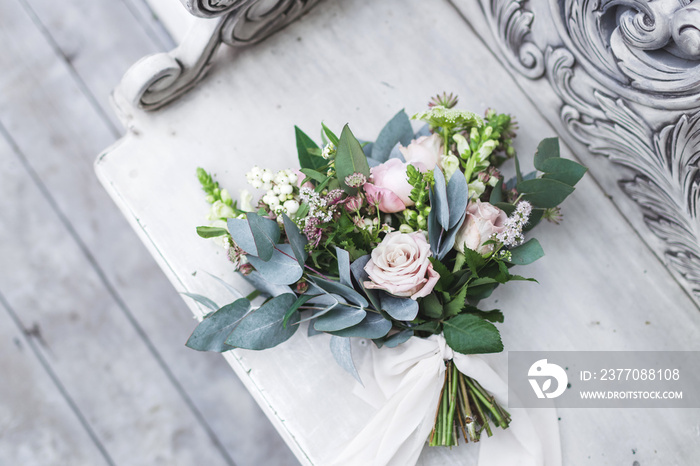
(400, 265)
(389, 188)
(482, 222)
(426, 151)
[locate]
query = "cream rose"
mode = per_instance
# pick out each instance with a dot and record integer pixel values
(425, 151)
(400, 265)
(482, 222)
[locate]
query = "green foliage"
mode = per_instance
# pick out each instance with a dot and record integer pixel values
(349, 159)
(308, 151)
(263, 328)
(211, 334)
(397, 130)
(470, 334)
(211, 232)
(526, 253)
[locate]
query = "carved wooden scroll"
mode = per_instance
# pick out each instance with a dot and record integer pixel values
(158, 79)
(627, 76)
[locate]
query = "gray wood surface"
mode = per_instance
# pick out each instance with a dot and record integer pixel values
(359, 61)
(92, 342)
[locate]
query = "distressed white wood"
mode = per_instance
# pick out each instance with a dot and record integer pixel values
(360, 61)
(175, 17)
(50, 107)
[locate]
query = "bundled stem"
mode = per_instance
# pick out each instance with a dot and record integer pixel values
(465, 406)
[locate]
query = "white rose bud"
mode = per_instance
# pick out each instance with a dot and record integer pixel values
(450, 164)
(246, 201)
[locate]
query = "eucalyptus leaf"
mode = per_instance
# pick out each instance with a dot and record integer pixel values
(300, 301)
(448, 239)
(367, 149)
(344, 267)
(211, 232)
(340, 317)
(434, 229)
(266, 234)
(457, 199)
(203, 300)
(262, 328)
(212, 332)
(397, 130)
(241, 234)
(526, 253)
(311, 331)
(281, 269)
(264, 286)
(345, 291)
(349, 159)
(564, 170)
(405, 309)
(470, 334)
(544, 192)
(497, 193)
(358, 271)
(305, 148)
(547, 149)
(342, 353)
(439, 202)
(297, 240)
(372, 326)
(398, 338)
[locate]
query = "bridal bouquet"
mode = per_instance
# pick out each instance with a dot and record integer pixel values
(389, 240)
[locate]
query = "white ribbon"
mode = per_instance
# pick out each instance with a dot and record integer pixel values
(404, 383)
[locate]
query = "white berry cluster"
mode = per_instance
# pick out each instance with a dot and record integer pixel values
(280, 196)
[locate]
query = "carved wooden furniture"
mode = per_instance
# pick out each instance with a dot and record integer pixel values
(616, 79)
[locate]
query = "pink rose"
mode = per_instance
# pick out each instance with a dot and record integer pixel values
(400, 265)
(389, 188)
(482, 222)
(425, 151)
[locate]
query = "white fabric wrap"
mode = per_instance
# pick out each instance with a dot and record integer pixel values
(404, 384)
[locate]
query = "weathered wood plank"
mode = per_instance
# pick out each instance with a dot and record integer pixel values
(99, 41)
(38, 90)
(596, 269)
(104, 365)
(37, 424)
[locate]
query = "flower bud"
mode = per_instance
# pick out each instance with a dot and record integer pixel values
(405, 228)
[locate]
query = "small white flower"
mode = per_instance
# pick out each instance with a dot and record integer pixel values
(246, 201)
(286, 189)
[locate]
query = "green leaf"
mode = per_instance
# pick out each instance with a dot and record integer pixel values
(330, 135)
(432, 326)
(439, 202)
(431, 307)
(211, 232)
(281, 269)
(358, 271)
(535, 217)
(497, 193)
(212, 332)
(547, 149)
(398, 338)
(344, 267)
(266, 234)
(340, 317)
(349, 159)
(203, 300)
(399, 308)
(304, 147)
(457, 303)
(446, 277)
(297, 240)
(397, 130)
(314, 175)
(470, 334)
(342, 353)
(373, 326)
(474, 261)
(338, 288)
(526, 253)
(544, 192)
(564, 170)
(494, 315)
(262, 328)
(518, 173)
(457, 199)
(301, 300)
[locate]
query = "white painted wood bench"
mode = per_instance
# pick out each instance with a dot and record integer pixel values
(615, 277)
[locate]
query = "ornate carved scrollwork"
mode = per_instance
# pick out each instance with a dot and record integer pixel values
(628, 76)
(158, 79)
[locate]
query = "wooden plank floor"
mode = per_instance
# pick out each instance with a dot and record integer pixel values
(94, 368)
